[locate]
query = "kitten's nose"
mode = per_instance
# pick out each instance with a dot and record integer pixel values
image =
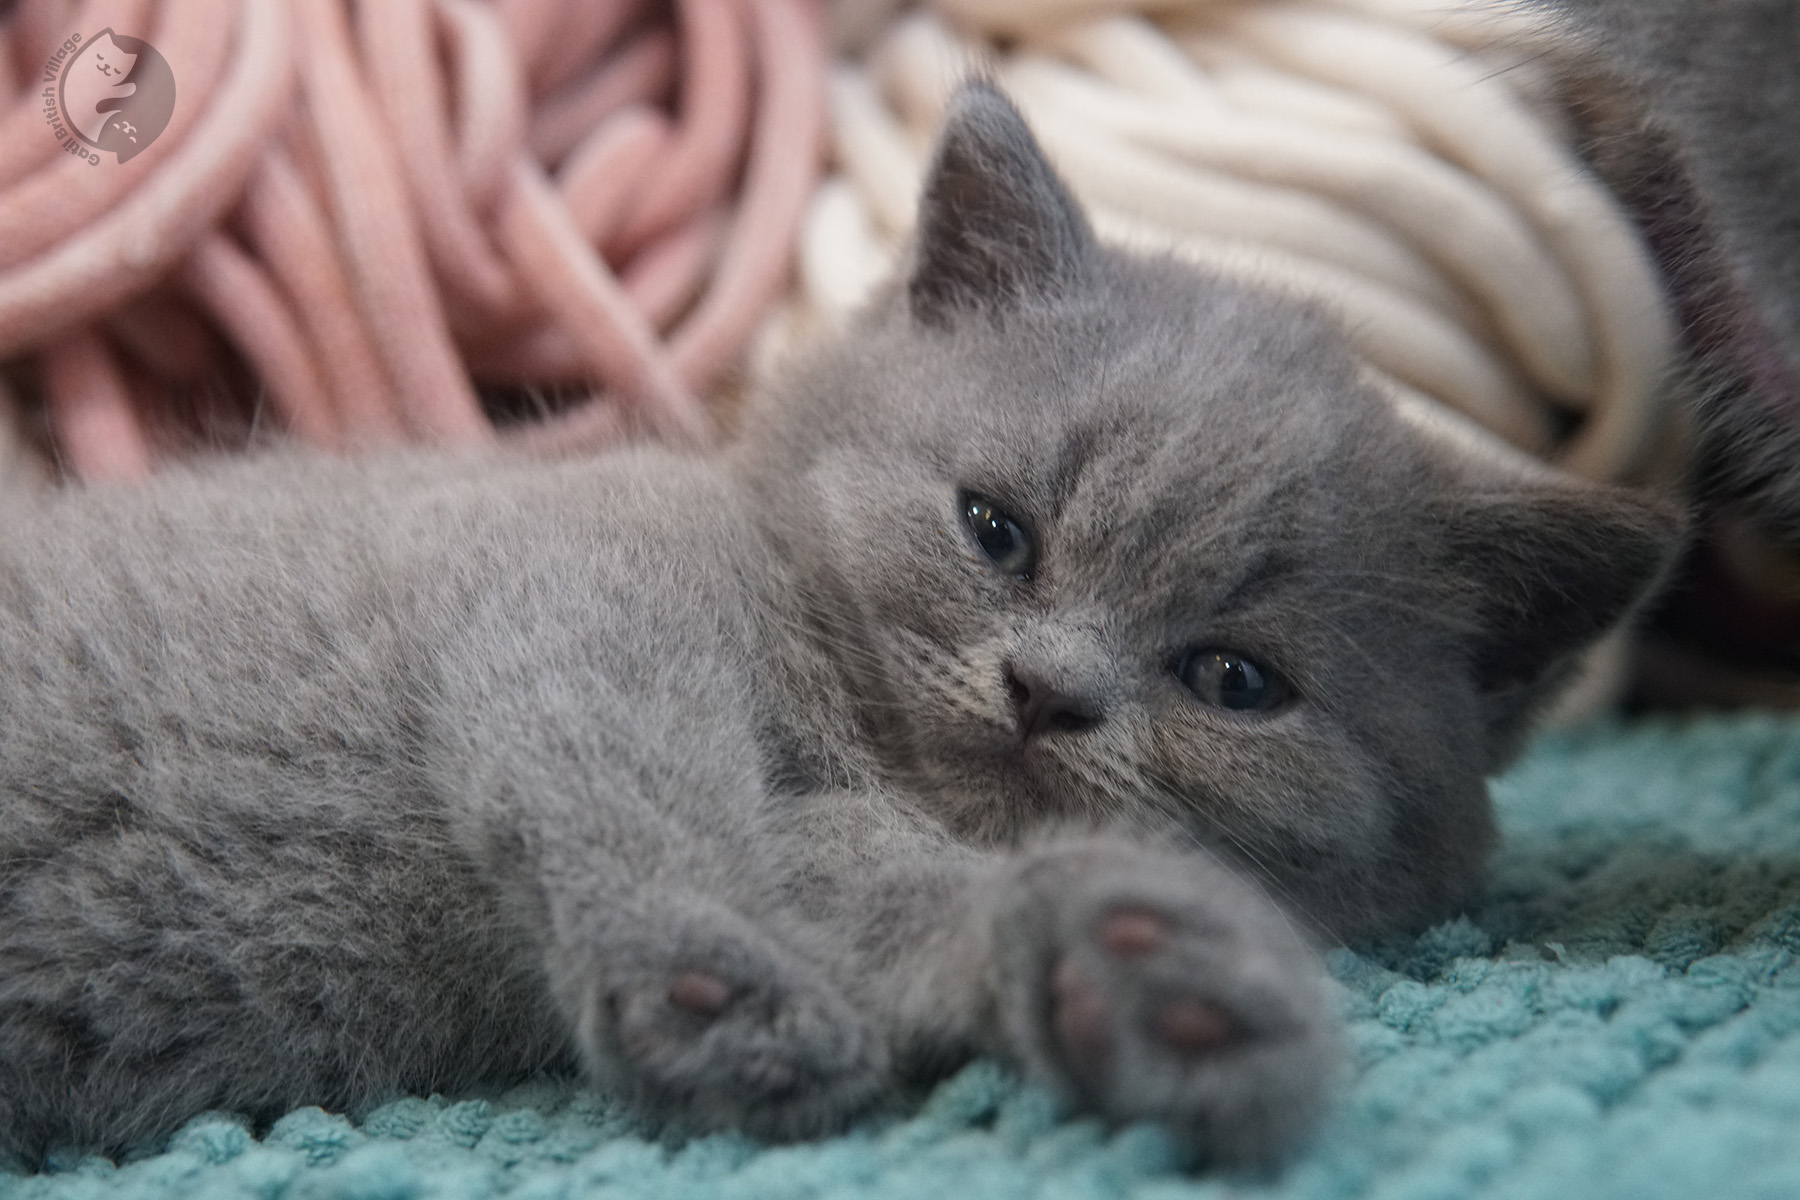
(1044, 708)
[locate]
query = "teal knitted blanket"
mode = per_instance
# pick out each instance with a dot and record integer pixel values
(1618, 1016)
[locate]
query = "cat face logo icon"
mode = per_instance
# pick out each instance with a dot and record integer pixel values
(109, 92)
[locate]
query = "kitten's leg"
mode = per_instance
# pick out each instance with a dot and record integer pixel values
(652, 870)
(1138, 982)
(697, 1002)
(1151, 985)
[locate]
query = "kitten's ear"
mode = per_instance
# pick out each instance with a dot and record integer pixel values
(996, 225)
(1552, 564)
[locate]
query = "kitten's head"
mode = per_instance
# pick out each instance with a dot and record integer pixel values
(1100, 538)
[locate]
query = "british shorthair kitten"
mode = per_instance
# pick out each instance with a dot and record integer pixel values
(1047, 662)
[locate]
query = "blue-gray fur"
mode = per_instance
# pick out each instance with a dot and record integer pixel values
(322, 781)
(1688, 114)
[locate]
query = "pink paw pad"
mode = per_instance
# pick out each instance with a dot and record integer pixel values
(1193, 1026)
(1187, 1025)
(1133, 933)
(699, 993)
(1083, 1023)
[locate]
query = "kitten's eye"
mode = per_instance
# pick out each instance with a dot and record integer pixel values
(1000, 537)
(1227, 679)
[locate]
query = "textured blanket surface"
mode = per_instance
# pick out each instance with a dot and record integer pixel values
(1618, 1016)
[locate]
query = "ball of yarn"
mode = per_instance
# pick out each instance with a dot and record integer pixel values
(1387, 159)
(389, 221)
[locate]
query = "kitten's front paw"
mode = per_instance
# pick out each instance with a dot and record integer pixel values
(703, 1016)
(1150, 985)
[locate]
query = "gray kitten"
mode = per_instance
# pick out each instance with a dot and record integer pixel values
(1041, 655)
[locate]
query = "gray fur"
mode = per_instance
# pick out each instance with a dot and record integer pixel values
(321, 781)
(1688, 110)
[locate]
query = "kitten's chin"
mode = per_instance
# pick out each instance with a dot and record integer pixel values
(992, 792)
(1020, 788)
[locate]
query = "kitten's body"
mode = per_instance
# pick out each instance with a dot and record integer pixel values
(754, 783)
(238, 739)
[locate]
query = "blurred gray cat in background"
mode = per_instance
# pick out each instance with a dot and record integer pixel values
(1688, 112)
(1041, 661)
